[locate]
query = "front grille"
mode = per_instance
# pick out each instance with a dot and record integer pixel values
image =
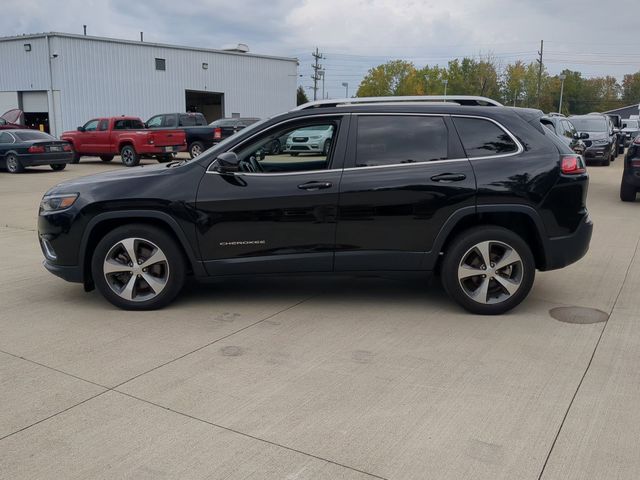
(587, 142)
(300, 139)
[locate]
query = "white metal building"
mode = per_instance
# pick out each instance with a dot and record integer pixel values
(62, 80)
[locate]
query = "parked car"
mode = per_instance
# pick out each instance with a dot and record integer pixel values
(12, 119)
(126, 136)
(21, 148)
(225, 127)
(563, 127)
(630, 130)
(597, 133)
(315, 139)
(199, 135)
(617, 130)
(630, 184)
(483, 195)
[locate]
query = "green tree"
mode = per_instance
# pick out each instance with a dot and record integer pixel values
(631, 88)
(301, 97)
(396, 77)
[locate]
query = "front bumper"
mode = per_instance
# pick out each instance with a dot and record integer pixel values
(599, 152)
(563, 251)
(71, 273)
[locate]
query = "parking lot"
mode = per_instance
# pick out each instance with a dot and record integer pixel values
(325, 377)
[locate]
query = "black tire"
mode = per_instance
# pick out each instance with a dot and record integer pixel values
(56, 167)
(294, 154)
(129, 156)
(165, 158)
(76, 156)
(627, 192)
(463, 247)
(326, 147)
(195, 149)
(13, 164)
(173, 268)
(606, 162)
(106, 158)
(620, 149)
(276, 147)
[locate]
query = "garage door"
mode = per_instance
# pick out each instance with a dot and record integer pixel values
(35, 102)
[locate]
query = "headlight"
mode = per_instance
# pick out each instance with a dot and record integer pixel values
(601, 141)
(316, 137)
(56, 203)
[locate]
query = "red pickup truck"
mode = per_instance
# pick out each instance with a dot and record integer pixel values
(126, 136)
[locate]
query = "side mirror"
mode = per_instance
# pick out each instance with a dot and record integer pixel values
(584, 136)
(81, 129)
(146, 125)
(227, 162)
(576, 136)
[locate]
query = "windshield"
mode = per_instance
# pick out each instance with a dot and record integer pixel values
(630, 124)
(27, 135)
(589, 124)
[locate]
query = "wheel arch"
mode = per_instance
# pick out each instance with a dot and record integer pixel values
(521, 219)
(105, 222)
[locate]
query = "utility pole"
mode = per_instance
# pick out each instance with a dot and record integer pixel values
(539, 72)
(317, 68)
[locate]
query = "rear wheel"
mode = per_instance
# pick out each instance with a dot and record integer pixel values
(195, 149)
(138, 267)
(13, 164)
(106, 158)
(129, 156)
(56, 167)
(326, 148)
(75, 157)
(488, 270)
(627, 192)
(276, 147)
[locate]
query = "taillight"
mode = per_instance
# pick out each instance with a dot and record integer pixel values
(36, 149)
(635, 163)
(572, 165)
(217, 134)
(66, 148)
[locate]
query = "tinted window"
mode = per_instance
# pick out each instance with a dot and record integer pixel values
(103, 125)
(128, 124)
(187, 120)
(169, 121)
(5, 138)
(483, 138)
(391, 140)
(26, 135)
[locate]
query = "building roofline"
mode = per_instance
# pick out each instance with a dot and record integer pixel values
(633, 105)
(143, 44)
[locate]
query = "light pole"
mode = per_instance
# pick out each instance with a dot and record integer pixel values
(346, 86)
(446, 82)
(321, 73)
(561, 77)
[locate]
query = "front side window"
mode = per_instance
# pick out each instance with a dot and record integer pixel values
(568, 129)
(295, 147)
(155, 122)
(91, 125)
(400, 139)
(483, 138)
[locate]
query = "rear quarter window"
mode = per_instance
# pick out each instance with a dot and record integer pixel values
(483, 138)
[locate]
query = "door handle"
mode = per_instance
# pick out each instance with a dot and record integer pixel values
(314, 185)
(449, 177)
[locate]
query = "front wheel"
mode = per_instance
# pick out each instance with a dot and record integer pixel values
(488, 270)
(138, 267)
(627, 192)
(56, 167)
(13, 164)
(129, 156)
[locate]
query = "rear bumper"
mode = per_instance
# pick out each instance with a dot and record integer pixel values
(563, 251)
(155, 150)
(45, 159)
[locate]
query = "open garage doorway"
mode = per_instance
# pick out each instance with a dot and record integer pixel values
(210, 104)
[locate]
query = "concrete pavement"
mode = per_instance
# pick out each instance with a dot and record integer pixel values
(311, 378)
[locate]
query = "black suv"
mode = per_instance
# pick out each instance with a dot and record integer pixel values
(630, 184)
(597, 133)
(481, 194)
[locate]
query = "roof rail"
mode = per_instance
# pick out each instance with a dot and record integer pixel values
(467, 100)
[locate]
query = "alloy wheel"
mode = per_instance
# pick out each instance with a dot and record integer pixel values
(136, 269)
(196, 150)
(490, 272)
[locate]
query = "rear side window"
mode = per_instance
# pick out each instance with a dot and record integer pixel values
(192, 120)
(393, 140)
(483, 138)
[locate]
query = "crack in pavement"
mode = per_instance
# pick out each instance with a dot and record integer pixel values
(593, 354)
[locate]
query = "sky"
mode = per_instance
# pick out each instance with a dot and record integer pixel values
(355, 35)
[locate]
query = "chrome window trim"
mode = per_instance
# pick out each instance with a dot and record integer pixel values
(274, 126)
(519, 146)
